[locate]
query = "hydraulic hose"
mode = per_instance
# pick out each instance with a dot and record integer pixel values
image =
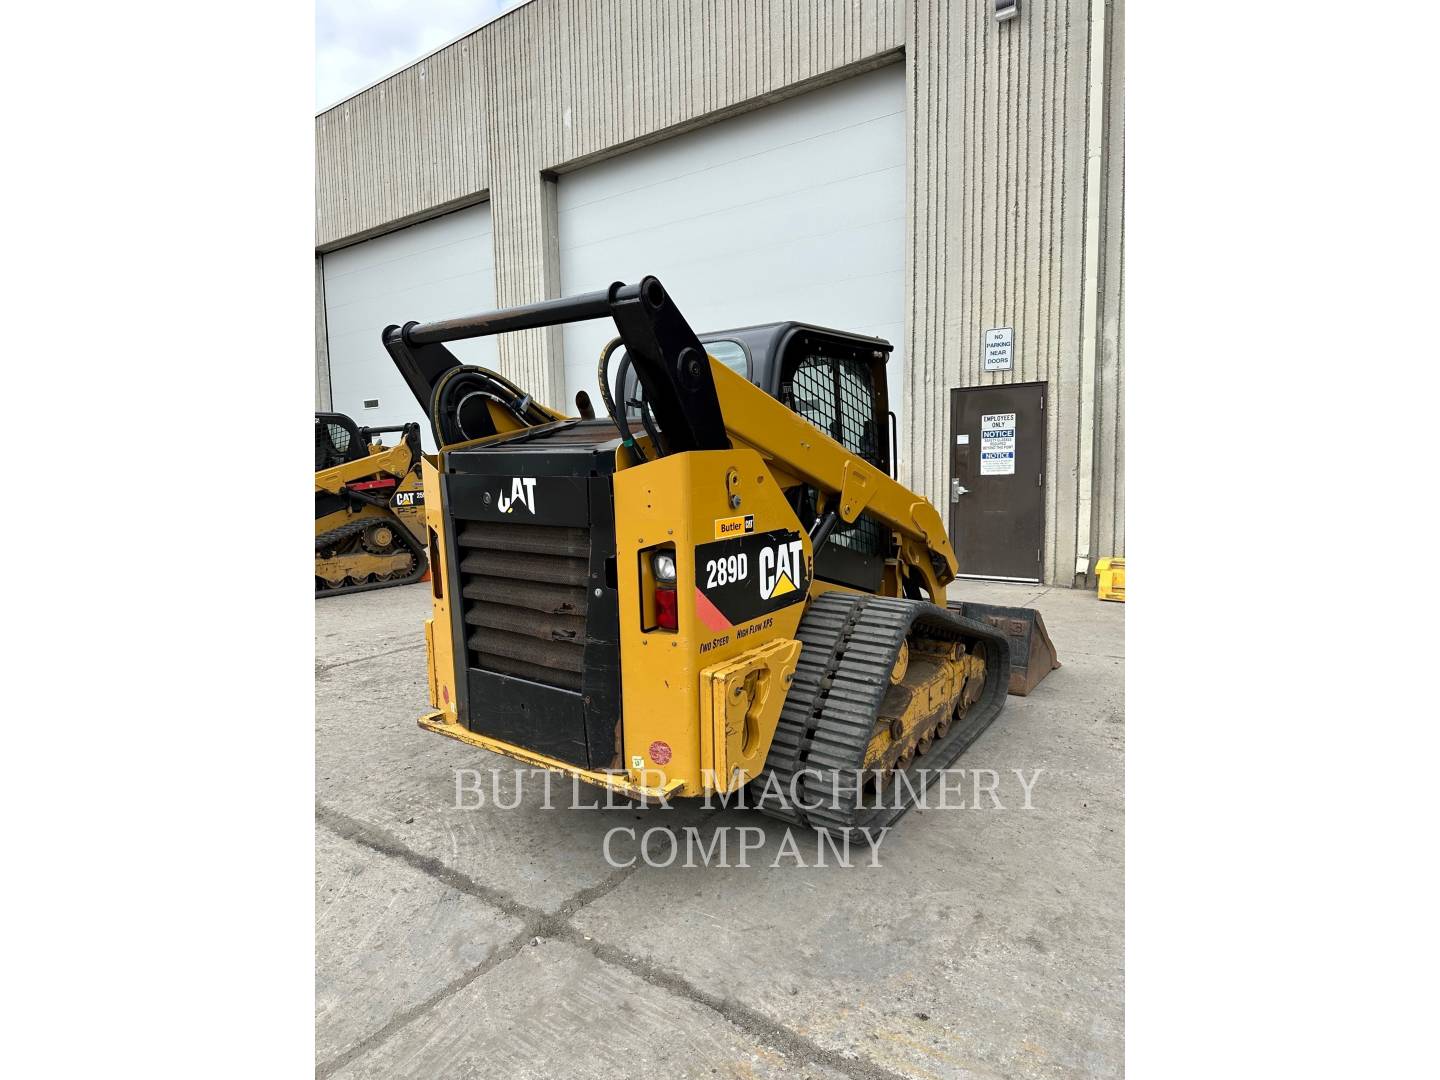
(602, 373)
(647, 419)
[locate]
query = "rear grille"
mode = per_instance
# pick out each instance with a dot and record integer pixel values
(525, 600)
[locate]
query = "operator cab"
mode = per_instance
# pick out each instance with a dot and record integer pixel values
(338, 441)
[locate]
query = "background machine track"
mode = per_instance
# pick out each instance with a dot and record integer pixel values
(349, 535)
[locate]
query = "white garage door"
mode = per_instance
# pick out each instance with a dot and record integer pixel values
(793, 211)
(435, 270)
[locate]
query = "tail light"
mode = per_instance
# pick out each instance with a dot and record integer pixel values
(667, 612)
(662, 570)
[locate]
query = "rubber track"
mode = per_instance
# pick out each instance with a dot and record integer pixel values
(344, 532)
(850, 645)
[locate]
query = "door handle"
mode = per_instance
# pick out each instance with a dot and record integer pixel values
(956, 491)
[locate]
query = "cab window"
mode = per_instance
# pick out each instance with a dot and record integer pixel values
(731, 354)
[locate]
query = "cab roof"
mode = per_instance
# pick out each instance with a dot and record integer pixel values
(766, 344)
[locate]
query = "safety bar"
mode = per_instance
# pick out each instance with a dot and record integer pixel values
(567, 309)
(668, 358)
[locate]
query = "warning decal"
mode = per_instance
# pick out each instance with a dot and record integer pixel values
(997, 444)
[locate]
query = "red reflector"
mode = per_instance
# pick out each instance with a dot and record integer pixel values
(667, 614)
(370, 485)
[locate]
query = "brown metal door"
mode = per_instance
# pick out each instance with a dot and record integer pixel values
(997, 480)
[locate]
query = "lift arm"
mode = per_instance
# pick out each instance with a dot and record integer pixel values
(850, 484)
(397, 461)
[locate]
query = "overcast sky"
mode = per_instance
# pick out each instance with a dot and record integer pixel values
(359, 41)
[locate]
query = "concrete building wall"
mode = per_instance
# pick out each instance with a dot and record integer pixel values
(1007, 224)
(1110, 497)
(322, 343)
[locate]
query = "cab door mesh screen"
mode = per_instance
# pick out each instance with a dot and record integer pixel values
(834, 394)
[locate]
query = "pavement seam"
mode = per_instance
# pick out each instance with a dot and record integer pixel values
(752, 1022)
(321, 669)
(542, 925)
(536, 924)
(407, 1016)
(378, 840)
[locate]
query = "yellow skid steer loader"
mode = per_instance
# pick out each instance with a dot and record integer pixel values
(369, 507)
(720, 583)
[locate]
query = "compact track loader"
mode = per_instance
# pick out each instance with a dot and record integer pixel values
(718, 584)
(369, 507)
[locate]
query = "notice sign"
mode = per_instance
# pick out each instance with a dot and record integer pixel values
(999, 349)
(997, 444)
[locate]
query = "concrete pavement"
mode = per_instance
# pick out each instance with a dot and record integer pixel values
(488, 941)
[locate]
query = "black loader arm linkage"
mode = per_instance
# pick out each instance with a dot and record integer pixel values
(668, 358)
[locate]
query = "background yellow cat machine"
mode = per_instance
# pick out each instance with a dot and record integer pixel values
(369, 507)
(1111, 574)
(717, 584)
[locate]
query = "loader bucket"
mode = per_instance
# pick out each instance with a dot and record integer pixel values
(1032, 654)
